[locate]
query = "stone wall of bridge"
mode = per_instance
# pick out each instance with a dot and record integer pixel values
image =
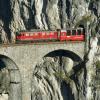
(21, 60)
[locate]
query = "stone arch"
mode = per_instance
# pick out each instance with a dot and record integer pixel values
(67, 86)
(15, 91)
(66, 53)
(61, 53)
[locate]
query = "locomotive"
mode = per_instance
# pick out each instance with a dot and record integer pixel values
(54, 35)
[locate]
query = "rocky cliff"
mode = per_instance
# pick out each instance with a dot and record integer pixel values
(60, 78)
(55, 78)
(18, 15)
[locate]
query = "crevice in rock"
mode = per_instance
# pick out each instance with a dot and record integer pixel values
(29, 23)
(60, 8)
(68, 8)
(44, 14)
(64, 53)
(6, 15)
(66, 91)
(93, 7)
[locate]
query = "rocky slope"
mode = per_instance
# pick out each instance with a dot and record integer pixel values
(18, 15)
(59, 77)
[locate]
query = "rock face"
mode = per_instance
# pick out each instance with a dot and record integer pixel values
(90, 68)
(54, 78)
(51, 80)
(96, 82)
(60, 78)
(47, 14)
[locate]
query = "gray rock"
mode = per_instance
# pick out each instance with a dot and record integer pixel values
(48, 14)
(51, 72)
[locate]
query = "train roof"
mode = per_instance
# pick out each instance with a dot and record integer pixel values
(36, 30)
(39, 30)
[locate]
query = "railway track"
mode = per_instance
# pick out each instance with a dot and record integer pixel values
(38, 43)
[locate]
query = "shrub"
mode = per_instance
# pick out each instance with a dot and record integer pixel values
(97, 64)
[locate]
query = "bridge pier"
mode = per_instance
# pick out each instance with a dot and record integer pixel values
(26, 88)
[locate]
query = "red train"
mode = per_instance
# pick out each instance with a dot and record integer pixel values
(57, 35)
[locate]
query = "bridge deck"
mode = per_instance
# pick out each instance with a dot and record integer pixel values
(40, 43)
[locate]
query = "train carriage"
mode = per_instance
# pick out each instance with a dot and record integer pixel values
(58, 35)
(72, 35)
(37, 35)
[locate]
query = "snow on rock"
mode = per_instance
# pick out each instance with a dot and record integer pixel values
(90, 67)
(4, 96)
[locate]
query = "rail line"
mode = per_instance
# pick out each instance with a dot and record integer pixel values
(39, 43)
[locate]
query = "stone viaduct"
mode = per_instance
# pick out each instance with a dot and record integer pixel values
(20, 61)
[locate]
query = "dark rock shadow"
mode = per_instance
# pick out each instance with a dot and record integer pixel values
(64, 53)
(66, 91)
(2, 64)
(6, 15)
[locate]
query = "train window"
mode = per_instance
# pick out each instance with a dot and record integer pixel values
(31, 34)
(43, 33)
(62, 34)
(79, 31)
(35, 33)
(83, 31)
(68, 32)
(17, 33)
(22, 34)
(48, 33)
(51, 33)
(73, 32)
(27, 34)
